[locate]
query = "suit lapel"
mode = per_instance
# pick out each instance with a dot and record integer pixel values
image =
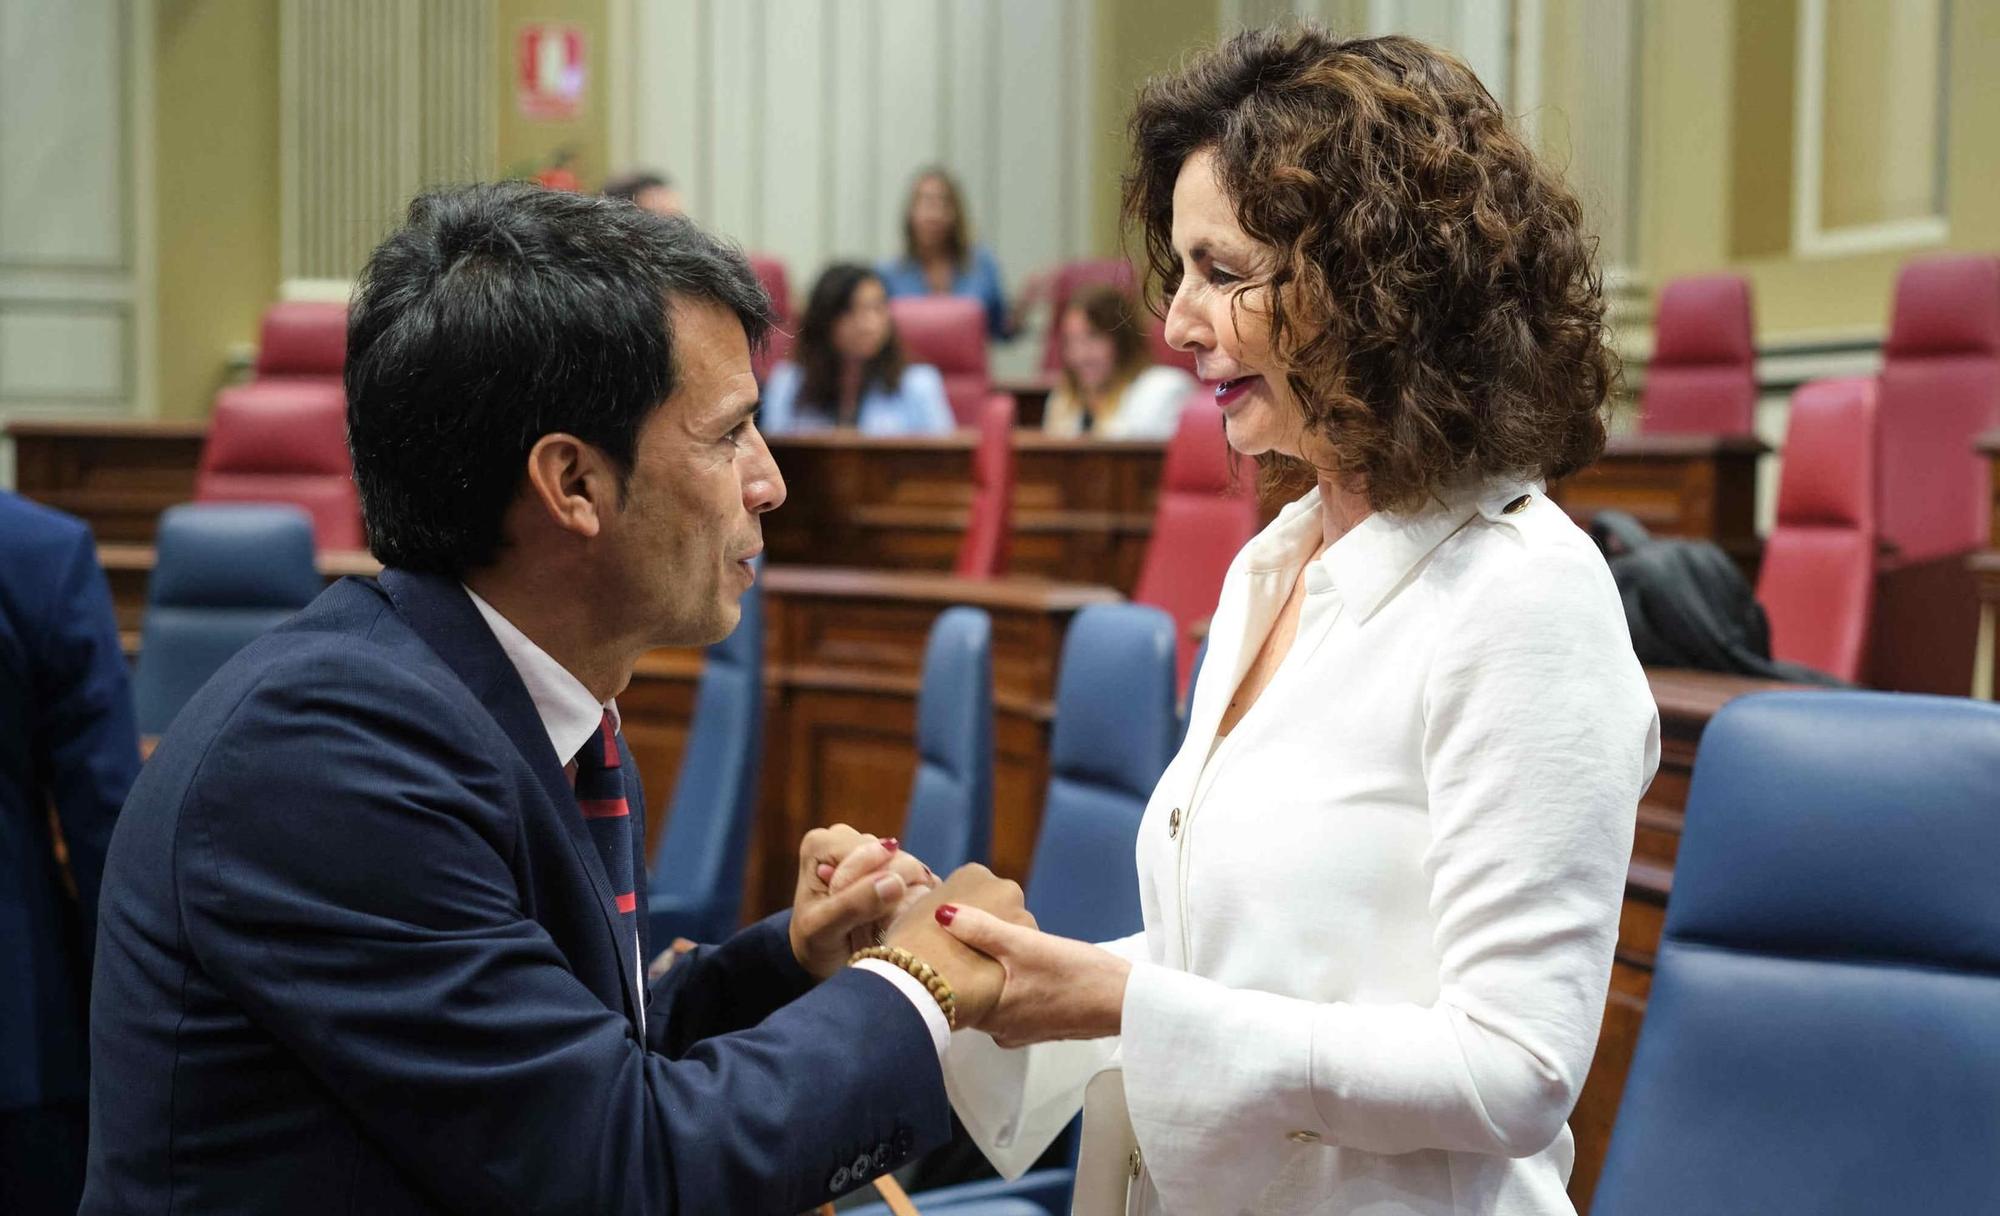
(439, 612)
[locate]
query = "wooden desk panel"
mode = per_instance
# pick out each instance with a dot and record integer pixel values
(1083, 507)
(118, 476)
(1702, 486)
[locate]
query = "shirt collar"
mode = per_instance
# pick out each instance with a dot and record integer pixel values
(1367, 565)
(568, 712)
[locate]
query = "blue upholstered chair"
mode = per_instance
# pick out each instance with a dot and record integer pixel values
(695, 876)
(1823, 1033)
(1186, 708)
(222, 575)
(950, 816)
(1114, 730)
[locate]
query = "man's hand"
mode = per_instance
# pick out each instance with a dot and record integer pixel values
(975, 978)
(850, 884)
(1055, 987)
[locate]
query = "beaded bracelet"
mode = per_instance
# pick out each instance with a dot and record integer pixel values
(925, 974)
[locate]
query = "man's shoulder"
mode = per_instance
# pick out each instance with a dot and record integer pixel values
(31, 532)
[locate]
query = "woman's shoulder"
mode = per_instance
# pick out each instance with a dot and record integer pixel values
(1521, 556)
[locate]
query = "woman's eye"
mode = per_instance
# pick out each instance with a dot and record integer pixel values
(1220, 277)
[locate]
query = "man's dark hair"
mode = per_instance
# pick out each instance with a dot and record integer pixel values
(629, 186)
(500, 314)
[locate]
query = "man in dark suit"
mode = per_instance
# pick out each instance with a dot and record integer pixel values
(369, 935)
(67, 742)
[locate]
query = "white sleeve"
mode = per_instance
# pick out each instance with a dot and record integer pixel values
(918, 995)
(1015, 1102)
(1153, 404)
(1540, 736)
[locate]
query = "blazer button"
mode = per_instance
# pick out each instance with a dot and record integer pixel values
(859, 1170)
(1174, 823)
(1303, 1137)
(838, 1182)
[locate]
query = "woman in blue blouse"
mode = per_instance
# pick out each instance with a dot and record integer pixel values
(939, 257)
(847, 368)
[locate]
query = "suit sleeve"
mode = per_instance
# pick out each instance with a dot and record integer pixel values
(349, 872)
(91, 740)
(729, 986)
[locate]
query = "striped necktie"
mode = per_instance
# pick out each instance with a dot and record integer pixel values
(600, 794)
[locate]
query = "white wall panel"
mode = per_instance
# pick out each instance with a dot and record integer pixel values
(63, 353)
(62, 146)
(796, 125)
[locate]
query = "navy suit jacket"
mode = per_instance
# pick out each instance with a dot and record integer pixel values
(67, 740)
(358, 955)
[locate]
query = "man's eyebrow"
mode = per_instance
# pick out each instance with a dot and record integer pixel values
(745, 409)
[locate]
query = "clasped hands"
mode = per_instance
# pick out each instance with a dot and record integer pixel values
(1012, 981)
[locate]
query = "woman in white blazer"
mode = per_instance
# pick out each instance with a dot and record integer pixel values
(1381, 880)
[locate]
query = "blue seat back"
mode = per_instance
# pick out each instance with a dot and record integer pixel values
(1186, 708)
(1823, 1033)
(1114, 730)
(222, 575)
(695, 879)
(950, 816)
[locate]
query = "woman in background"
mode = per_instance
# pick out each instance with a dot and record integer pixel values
(1110, 386)
(847, 368)
(939, 257)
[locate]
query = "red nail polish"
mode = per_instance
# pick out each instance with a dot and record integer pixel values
(892, 844)
(945, 912)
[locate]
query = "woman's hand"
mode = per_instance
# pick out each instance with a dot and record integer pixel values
(1056, 988)
(851, 886)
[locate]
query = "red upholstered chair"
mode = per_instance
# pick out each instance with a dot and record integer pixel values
(989, 531)
(771, 273)
(1165, 355)
(1702, 379)
(1940, 389)
(280, 442)
(949, 333)
(1817, 580)
(1070, 278)
(1198, 526)
(303, 340)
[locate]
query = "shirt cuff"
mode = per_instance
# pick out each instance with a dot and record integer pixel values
(919, 996)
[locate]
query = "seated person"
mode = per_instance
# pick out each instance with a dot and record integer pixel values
(939, 258)
(649, 191)
(847, 368)
(1109, 385)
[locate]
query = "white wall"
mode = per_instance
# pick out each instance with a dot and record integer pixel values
(75, 207)
(795, 126)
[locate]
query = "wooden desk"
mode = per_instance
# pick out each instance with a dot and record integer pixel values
(1083, 507)
(118, 476)
(1702, 486)
(1687, 700)
(843, 651)
(1031, 397)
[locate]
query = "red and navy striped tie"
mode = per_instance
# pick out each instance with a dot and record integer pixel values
(600, 794)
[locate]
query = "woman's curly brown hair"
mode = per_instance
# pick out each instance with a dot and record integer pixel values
(1434, 302)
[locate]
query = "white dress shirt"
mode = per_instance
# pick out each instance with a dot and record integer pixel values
(1379, 917)
(571, 716)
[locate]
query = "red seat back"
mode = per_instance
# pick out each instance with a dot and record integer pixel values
(1940, 389)
(1702, 379)
(989, 531)
(1070, 278)
(303, 340)
(1817, 580)
(284, 442)
(1198, 526)
(949, 333)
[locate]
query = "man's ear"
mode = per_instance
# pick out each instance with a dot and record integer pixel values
(571, 483)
